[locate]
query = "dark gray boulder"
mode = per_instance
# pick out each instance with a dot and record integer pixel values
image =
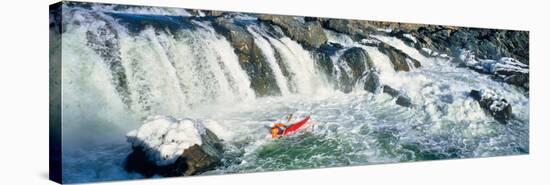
(404, 101)
(401, 98)
(391, 91)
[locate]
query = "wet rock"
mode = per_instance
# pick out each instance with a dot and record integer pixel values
(308, 33)
(167, 146)
(400, 60)
(358, 60)
(356, 29)
(201, 158)
(250, 56)
(403, 101)
(354, 64)
(391, 91)
(484, 43)
(492, 43)
(401, 98)
(494, 104)
(372, 82)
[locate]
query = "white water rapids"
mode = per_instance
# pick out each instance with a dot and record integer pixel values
(196, 73)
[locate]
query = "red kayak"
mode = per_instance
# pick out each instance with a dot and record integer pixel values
(295, 126)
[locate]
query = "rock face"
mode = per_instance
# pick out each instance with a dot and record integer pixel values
(310, 34)
(250, 56)
(167, 146)
(444, 41)
(484, 43)
(495, 105)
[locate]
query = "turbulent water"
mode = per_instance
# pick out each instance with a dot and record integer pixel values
(117, 72)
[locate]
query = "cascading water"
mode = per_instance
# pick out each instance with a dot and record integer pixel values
(118, 70)
(269, 53)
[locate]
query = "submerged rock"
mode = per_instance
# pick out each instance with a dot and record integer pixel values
(494, 104)
(310, 34)
(401, 98)
(391, 91)
(404, 101)
(167, 146)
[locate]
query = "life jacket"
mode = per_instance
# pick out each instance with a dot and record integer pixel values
(278, 130)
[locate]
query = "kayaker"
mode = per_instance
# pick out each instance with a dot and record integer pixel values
(278, 129)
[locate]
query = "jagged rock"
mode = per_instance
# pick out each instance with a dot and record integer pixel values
(250, 56)
(358, 60)
(492, 43)
(167, 146)
(400, 60)
(484, 43)
(494, 104)
(353, 64)
(310, 34)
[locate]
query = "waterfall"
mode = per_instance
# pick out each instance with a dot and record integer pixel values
(269, 54)
(168, 72)
(144, 70)
(303, 75)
